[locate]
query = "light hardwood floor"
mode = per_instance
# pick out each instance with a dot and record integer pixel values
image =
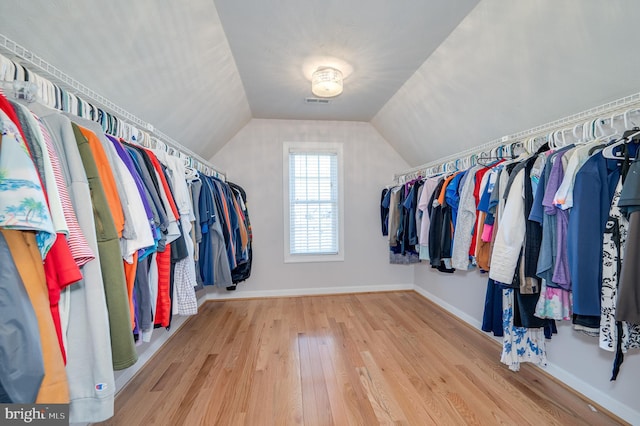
(358, 359)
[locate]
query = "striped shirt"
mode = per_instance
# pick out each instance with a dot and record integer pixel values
(78, 245)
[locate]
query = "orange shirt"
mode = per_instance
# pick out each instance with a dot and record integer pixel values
(24, 249)
(244, 235)
(444, 187)
(106, 176)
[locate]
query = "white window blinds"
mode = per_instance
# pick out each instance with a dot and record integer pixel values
(313, 203)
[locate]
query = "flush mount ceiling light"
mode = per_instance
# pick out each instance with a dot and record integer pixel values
(326, 82)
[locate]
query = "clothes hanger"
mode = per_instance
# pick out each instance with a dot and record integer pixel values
(26, 90)
(618, 117)
(506, 151)
(559, 136)
(604, 132)
(628, 123)
(579, 138)
(552, 142)
(587, 130)
(514, 147)
(466, 163)
(20, 73)
(594, 129)
(126, 130)
(557, 140)
(486, 160)
(627, 136)
(5, 64)
(568, 136)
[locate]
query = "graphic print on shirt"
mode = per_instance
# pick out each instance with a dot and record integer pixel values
(22, 202)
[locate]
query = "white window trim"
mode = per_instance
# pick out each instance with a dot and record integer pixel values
(312, 147)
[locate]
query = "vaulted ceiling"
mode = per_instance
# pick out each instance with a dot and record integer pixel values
(433, 77)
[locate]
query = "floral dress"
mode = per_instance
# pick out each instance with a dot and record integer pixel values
(520, 344)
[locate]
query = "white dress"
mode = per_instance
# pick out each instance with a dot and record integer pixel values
(520, 344)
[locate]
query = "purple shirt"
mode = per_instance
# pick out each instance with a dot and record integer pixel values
(134, 173)
(124, 155)
(561, 275)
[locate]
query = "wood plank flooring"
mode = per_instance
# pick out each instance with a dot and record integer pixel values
(357, 359)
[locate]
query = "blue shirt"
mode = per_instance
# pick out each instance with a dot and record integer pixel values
(452, 196)
(592, 193)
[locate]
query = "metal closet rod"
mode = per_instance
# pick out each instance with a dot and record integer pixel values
(543, 129)
(64, 80)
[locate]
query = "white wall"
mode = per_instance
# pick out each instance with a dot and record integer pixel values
(510, 66)
(573, 357)
(253, 159)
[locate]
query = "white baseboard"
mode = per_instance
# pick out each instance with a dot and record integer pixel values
(449, 307)
(123, 377)
(290, 292)
(623, 411)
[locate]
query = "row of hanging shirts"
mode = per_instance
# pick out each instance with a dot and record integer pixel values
(600, 128)
(99, 275)
(613, 132)
(21, 83)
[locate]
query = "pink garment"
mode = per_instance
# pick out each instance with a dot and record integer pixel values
(554, 303)
(487, 232)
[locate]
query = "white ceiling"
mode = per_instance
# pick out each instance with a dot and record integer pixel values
(511, 66)
(433, 76)
(277, 45)
(168, 62)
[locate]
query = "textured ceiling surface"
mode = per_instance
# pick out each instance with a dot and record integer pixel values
(378, 43)
(170, 62)
(511, 66)
(166, 63)
(434, 77)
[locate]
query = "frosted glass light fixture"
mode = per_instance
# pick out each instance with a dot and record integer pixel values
(326, 82)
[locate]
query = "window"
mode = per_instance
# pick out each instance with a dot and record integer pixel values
(313, 202)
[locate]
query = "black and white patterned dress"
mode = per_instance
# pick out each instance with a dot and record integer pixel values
(615, 238)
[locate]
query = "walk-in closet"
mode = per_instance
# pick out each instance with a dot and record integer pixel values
(219, 212)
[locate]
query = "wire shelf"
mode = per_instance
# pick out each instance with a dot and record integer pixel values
(618, 105)
(67, 82)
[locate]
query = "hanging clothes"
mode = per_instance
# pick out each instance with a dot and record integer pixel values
(84, 310)
(96, 239)
(593, 191)
(214, 262)
(23, 202)
(122, 345)
(628, 305)
(22, 369)
(520, 344)
(243, 271)
(613, 254)
(426, 197)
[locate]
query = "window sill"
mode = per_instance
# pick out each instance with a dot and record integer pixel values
(313, 258)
